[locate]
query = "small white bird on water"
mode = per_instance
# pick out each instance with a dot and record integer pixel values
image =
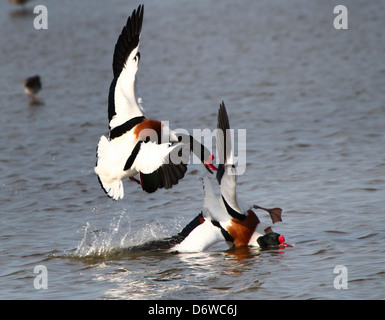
(137, 145)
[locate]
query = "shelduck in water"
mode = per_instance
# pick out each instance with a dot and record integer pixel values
(137, 145)
(222, 218)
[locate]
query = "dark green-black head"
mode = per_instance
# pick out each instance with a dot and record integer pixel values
(272, 239)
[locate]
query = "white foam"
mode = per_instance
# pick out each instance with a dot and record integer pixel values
(97, 242)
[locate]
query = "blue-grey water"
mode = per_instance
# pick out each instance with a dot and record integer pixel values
(311, 97)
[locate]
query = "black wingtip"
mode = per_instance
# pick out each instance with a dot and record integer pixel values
(223, 119)
(223, 125)
(128, 39)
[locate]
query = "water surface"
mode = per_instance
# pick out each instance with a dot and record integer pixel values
(310, 97)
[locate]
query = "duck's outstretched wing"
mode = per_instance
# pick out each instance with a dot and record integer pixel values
(227, 174)
(122, 103)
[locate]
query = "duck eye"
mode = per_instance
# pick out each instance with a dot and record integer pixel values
(137, 57)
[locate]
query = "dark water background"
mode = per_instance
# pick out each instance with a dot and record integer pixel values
(311, 97)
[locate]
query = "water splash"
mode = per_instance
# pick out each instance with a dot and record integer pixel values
(121, 233)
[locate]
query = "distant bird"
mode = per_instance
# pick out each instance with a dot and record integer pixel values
(137, 145)
(32, 86)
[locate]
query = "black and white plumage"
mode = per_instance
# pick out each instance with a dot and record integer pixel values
(137, 145)
(223, 218)
(32, 86)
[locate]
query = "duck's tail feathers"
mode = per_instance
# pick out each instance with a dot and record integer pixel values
(114, 190)
(112, 187)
